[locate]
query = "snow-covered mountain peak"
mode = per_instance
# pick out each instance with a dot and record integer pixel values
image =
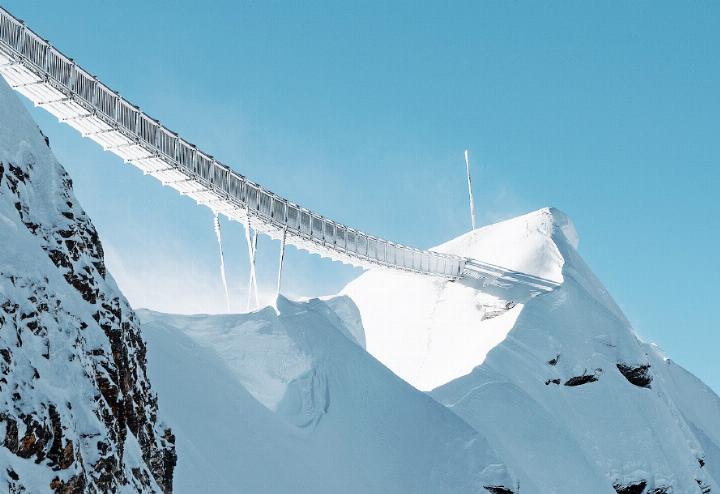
(559, 380)
(414, 324)
(532, 243)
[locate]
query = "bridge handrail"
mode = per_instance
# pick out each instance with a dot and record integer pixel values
(110, 108)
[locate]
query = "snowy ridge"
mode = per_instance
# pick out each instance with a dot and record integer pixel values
(559, 382)
(430, 331)
(299, 406)
(76, 410)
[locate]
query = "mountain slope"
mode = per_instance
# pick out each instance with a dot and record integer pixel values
(559, 382)
(77, 413)
(297, 405)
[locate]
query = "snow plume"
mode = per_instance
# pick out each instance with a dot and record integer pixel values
(216, 224)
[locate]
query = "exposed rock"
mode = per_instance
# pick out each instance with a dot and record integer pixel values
(660, 490)
(583, 379)
(704, 488)
(632, 488)
(639, 375)
(494, 489)
(64, 326)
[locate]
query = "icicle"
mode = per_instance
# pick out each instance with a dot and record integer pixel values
(254, 271)
(252, 248)
(216, 224)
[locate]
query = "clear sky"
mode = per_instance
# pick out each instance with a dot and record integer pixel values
(609, 111)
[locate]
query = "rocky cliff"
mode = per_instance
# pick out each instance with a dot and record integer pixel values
(77, 412)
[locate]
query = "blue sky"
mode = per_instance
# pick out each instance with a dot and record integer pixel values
(609, 111)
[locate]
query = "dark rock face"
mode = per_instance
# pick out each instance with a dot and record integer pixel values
(639, 375)
(583, 379)
(704, 489)
(493, 489)
(74, 391)
(634, 488)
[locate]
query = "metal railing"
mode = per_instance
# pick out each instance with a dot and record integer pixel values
(56, 83)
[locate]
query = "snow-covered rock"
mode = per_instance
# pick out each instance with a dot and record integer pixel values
(77, 413)
(289, 401)
(559, 382)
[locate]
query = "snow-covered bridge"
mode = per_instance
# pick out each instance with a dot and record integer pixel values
(53, 81)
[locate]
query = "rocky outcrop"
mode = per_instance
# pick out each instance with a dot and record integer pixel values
(639, 375)
(585, 378)
(74, 392)
(632, 488)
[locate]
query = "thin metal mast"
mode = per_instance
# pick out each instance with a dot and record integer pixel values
(282, 258)
(470, 190)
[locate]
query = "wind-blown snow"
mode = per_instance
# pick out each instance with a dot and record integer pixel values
(560, 383)
(288, 401)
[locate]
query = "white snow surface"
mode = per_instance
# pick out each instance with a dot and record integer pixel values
(429, 331)
(289, 401)
(53, 350)
(511, 376)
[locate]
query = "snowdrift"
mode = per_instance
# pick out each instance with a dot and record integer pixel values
(289, 401)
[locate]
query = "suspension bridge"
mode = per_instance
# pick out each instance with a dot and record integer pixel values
(54, 82)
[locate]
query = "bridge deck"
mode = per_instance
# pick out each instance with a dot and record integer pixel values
(56, 83)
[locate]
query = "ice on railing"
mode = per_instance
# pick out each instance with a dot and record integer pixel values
(56, 83)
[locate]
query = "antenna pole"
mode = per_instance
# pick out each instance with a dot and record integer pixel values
(470, 190)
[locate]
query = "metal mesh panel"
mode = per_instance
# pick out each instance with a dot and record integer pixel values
(203, 164)
(292, 217)
(372, 248)
(234, 186)
(166, 142)
(390, 253)
(432, 263)
(59, 68)
(10, 31)
(34, 49)
(105, 100)
(252, 197)
(278, 210)
(305, 222)
(265, 203)
(362, 245)
(381, 246)
(329, 233)
(147, 128)
(407, 258)
(84, 85)
(340, 236)
(317, 228)
(350, 240)
(127, 115)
